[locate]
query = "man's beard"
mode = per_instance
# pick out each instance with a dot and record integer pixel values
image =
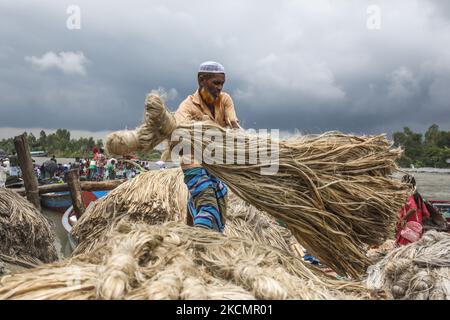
(207, 97)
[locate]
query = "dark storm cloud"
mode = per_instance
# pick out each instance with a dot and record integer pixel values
(312, 66)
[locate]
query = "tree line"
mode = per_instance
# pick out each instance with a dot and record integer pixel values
(431, 149)
(62, 145)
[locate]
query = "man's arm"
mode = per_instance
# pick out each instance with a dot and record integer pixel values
(230, 113)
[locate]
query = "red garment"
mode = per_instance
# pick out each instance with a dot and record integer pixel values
(421, 211)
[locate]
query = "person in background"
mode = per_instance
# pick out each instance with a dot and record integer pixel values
(13, 165)
(3, 174)
(411, 216)
(95, 152)
(37, 171)
(66, 168)
(161, 164)
(100, 163)
(48, 169)
(111, 169)
(92, 169)
(76, 164)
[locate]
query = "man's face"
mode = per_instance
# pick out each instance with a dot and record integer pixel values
(213, 84)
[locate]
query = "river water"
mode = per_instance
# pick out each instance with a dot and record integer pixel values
(62, 240)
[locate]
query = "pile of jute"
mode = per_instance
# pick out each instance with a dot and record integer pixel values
(26, 237)
(334, 191)
(420, 270)
(160, 196)
(175, 261)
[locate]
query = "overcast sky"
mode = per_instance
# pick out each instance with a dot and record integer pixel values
(307, 65)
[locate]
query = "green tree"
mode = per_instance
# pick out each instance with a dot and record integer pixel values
(432, 151)
(433, 136)
(411, 143)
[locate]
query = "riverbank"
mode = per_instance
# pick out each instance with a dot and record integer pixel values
(427, 170)
(432, 185)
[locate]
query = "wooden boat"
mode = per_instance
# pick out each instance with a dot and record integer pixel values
(14, 182)
(38, 153)
(57, 201)
(443, 206)
(69, 218)
(61, 201)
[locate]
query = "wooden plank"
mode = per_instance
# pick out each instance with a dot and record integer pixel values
(75, 191)
(26, 165)
(85, 186)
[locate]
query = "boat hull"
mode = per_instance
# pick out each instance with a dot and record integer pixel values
(88, 197)
(57, 201)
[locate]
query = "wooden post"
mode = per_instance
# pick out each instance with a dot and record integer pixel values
(26, 165)
(75, 191)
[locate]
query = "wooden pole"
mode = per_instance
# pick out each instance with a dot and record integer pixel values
(85, 186)
(75, 191)
(26, 165)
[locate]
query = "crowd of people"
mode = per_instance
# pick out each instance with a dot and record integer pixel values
(97, 168)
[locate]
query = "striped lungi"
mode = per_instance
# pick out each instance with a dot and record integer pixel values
(207, 201)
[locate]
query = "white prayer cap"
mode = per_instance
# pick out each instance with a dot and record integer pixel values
(211, 67)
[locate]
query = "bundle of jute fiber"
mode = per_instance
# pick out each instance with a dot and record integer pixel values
(155, 197)
(25, 234)
(333, 190)
(158, 125)
(420, 270)
(175, 261)
(152, 197)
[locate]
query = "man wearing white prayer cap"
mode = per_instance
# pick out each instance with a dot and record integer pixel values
(207, 202)
(209, 100)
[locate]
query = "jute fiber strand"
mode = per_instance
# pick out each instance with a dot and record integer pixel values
(333, 190)
(420, 270)
(175, 261)
(246, 222)
(158, 125)
(25, 234)
(155, 197)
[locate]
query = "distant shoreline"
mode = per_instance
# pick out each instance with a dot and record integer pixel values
(427, 170)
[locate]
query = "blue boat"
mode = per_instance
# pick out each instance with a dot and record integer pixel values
(57, 201)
